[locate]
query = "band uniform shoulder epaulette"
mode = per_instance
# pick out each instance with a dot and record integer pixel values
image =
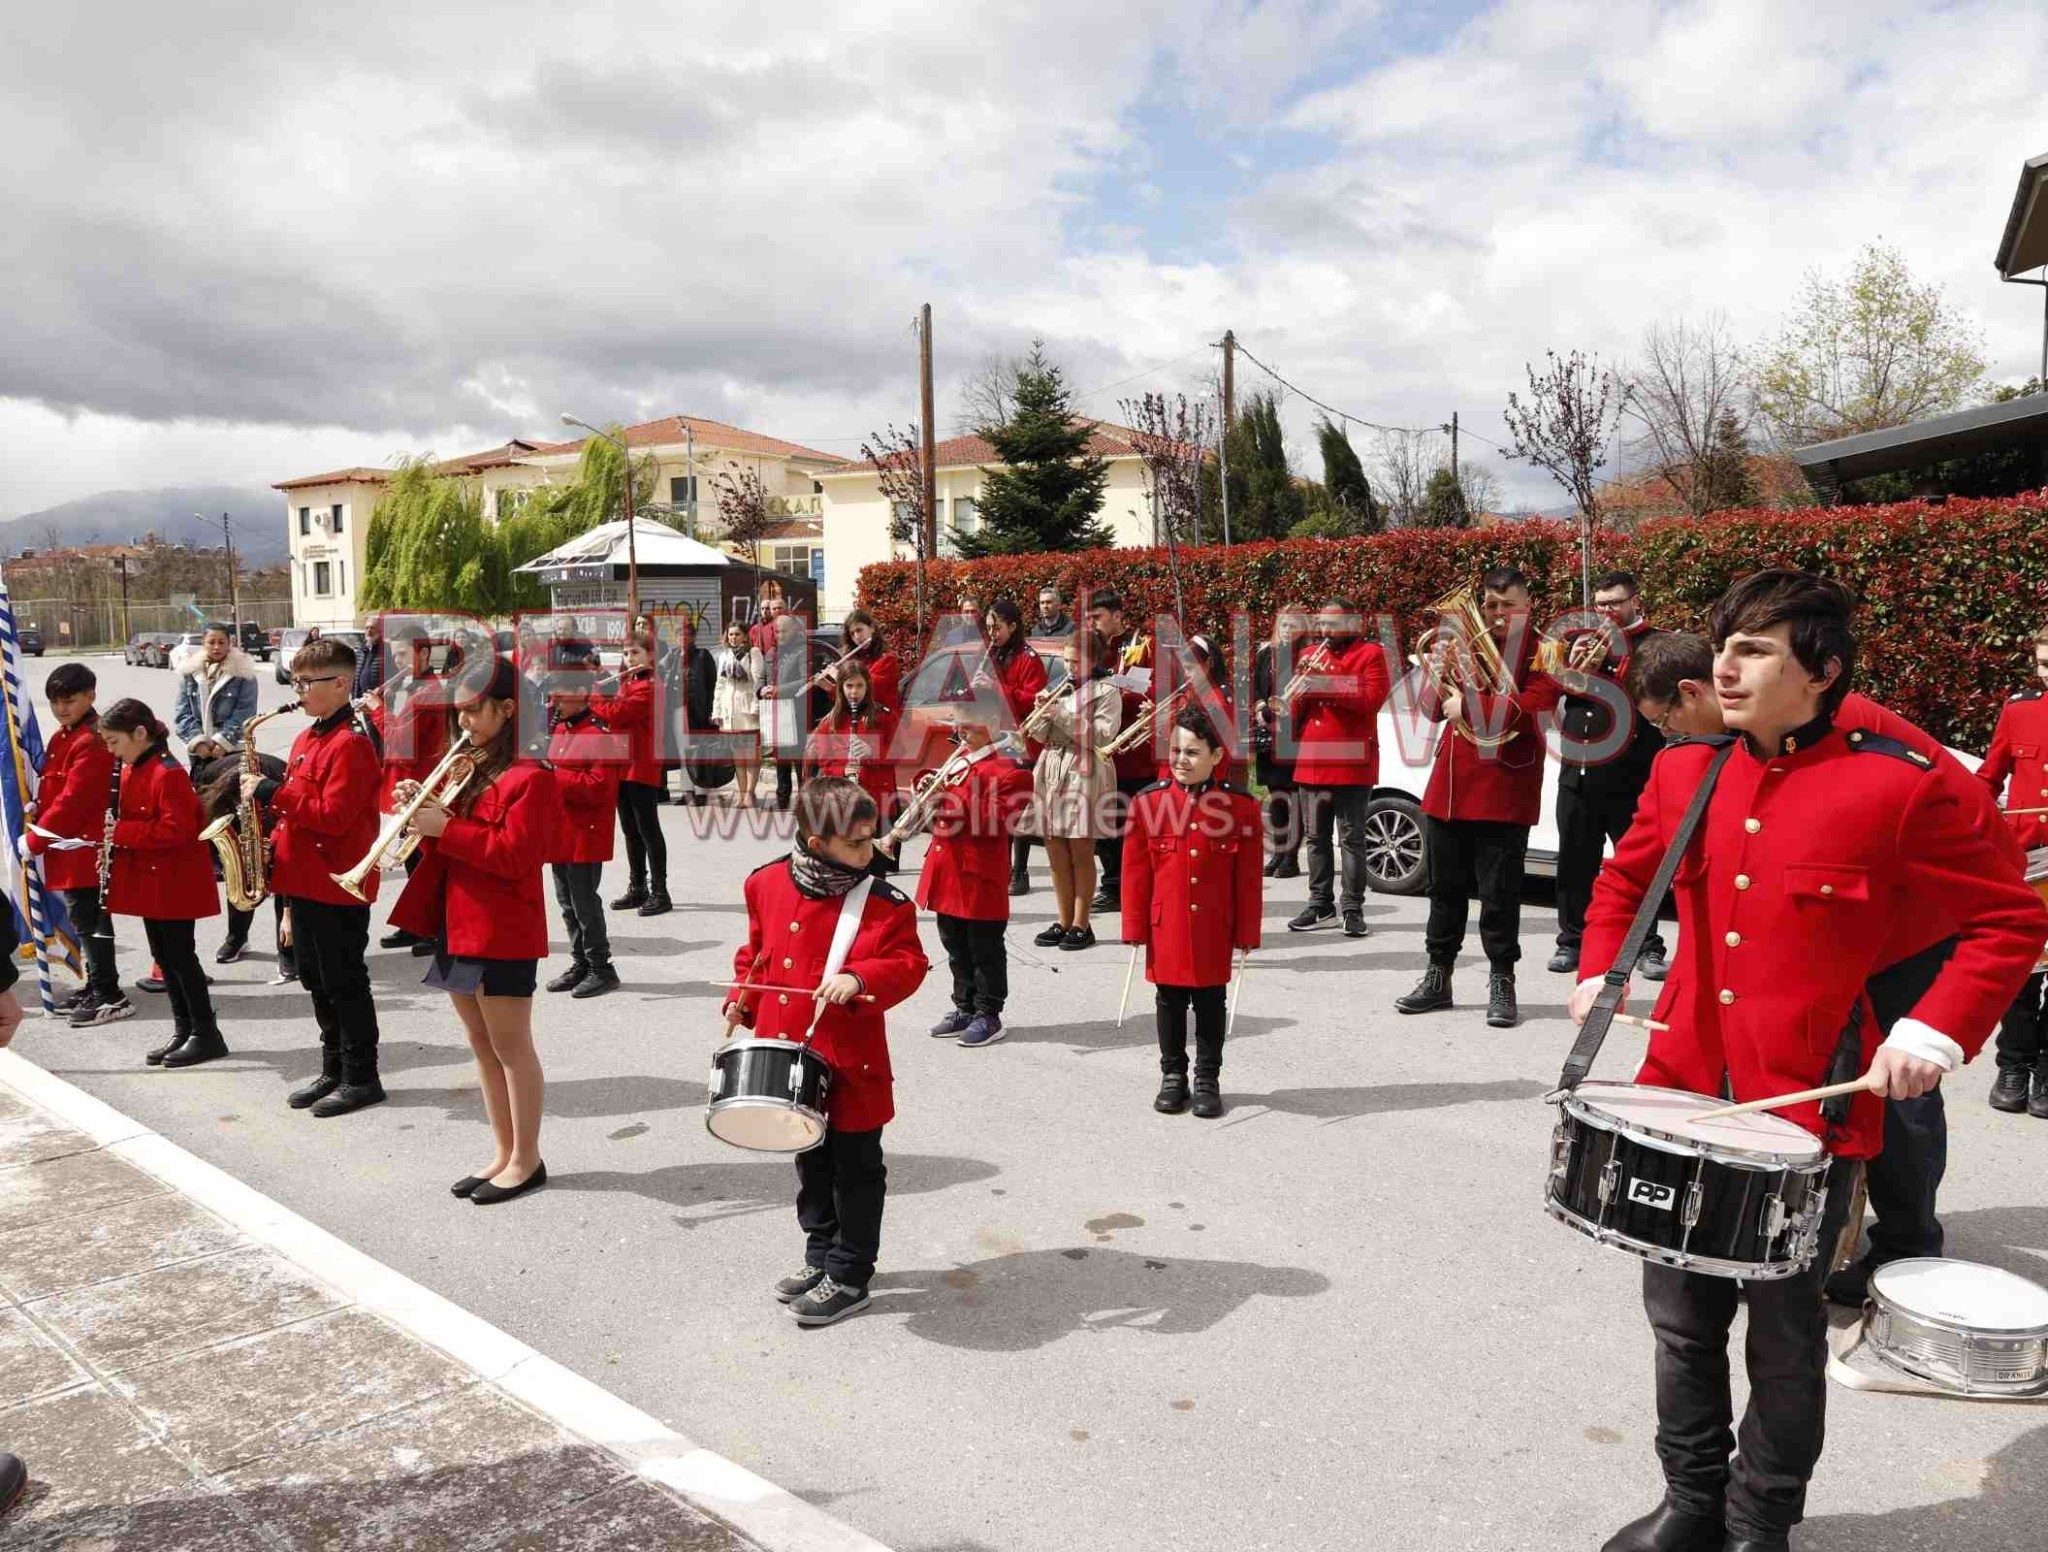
(772, 862)
(1231, 786)
(888, 891)
(1876, 743)
(1707, 740)
(2030, 695)
(1157, 786)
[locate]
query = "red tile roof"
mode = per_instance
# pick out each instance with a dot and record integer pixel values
(356, 476)
(714, 433)
(1106, 439)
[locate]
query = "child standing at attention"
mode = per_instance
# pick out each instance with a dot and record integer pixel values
(72, 804)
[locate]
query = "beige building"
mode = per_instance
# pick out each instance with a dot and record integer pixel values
(856, 516)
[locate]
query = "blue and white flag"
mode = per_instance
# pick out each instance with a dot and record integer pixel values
(41, 922)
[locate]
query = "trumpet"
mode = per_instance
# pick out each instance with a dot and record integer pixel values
(1579, 652)
(1041, 712)
(395, 836)
(238, 835)
(1142, 723)
(1314, 661)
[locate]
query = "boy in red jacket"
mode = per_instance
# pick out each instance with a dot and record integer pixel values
(581, 749)
(793, 917)
(1193, 879)
(71, 804)
(2019, 753)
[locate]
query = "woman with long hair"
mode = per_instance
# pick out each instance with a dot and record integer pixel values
(1011, 667)
(1071, 787)
(478, 897)
(853, 738)
(735, 710)
(870, 648)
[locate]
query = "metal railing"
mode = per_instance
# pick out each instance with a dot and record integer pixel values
(66, 624)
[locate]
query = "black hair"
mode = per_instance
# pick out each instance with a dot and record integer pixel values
(129, 715)
(1818, 610)
(1107, 598)
(827, 807)
(1193, 719)
(1664, 659)
(1608, 579)
(68, 679)
(1006, 610)
(878, 643)
(1498, 579)
(222, 626)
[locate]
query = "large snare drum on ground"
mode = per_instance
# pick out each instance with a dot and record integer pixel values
(768, 1095)
(1975, 1330)
(1632, 1166)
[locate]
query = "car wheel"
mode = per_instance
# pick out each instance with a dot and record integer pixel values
(1396, 856)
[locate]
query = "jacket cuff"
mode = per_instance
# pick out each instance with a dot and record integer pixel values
(267, 789)
(1925, 1042)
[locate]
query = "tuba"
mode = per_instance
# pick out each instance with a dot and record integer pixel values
(396, 840)
(237, 836)
(1460, 624)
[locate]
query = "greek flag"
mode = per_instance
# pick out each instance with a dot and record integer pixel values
(40, 921)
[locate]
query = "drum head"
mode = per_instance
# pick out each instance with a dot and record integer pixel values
(1962, 1293)
(1674, 1113)
(766, 1127)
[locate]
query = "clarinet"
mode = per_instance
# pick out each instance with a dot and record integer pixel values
(106, 859)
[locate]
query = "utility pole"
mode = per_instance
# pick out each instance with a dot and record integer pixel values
(690, 463)
(930, 515)
(1229, 380)
(1455, 478)
(121, 565)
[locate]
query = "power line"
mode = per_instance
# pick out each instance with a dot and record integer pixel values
(1147, 372)
(1360, 420)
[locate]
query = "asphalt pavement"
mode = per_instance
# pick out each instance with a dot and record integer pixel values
(1335, 1318)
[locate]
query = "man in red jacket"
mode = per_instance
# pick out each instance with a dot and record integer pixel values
(326, 808)
(1816, 842)
(72, 804)
(2019, 754)
(1485, 792)
(1338, 760)
(587, 775)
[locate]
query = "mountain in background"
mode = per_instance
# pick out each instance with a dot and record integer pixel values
(124, 516)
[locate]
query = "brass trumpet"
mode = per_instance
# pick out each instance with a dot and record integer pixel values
(1460, 624)
(1144, 721)
(395, 836)
(1580, 652)
(1314, 661)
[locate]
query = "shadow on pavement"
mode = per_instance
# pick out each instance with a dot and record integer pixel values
(1343, 1104)
(2006, 1516)
(1138, 1031)
(762, 1184)
(573, 1098)
(2015, 1238)
(1013, 1303)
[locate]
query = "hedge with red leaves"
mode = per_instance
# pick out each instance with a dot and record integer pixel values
(1951, 592)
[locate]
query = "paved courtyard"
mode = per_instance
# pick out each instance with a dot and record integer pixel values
(1335, 1318)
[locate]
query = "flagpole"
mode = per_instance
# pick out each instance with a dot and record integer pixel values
(31, 868)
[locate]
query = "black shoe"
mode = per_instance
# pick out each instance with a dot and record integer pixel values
(1564, 961)
(797, 1284)
(1107, 899)
(1850, 1286)
(1501, 1012)
(200, 1048)
(486, 1194)
(421, 947)
(230, 951)
(1290, 867)
(399, 939)
(72, 1003)
(467, 1184)
(2037, 1100)
(1312, 917)
(1354, 924)
(1173, 1094)
(1665, 1529)
(1653, 966)
(602, 979)
(570, 978)
(1757, 1544)
(1272, 868)
(1208, 1096)
(1050, 938)
(634, 897)
(149, 983)
(1020, 882)
(349, 1097)
(2009, 1090)
(657, 904)
(827, 1302)
(1432, 992)
(312, 1093)
(1077, 937)
(155, 1057)
(13, 1478)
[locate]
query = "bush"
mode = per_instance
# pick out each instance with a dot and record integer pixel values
(1951, 592)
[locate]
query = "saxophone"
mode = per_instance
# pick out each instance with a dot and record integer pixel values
(238, 836)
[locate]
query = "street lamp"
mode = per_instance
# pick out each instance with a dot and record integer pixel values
(632, 549)
(234, 595)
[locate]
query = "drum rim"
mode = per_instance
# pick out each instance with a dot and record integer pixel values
(1663, 1255)
(1892, 1307)
(743, 1042)
(1574, 1104)
(718, 1107)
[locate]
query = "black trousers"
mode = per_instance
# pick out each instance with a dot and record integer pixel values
(785, 780)
(1763, 1491)
(979, 962)
(1905, 1178)
(238, 931)
(2019, 1036)
(1109, 851)
(1170, 1008)
(95, 928)
(331, 941)
(1283, 821)
(1331, 815)
(1588, 816)
(840, 1186)
(640, 823)
(171, 945)
(1468, 857)
(590, 941)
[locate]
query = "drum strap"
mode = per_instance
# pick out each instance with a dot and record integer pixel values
(851, 905)
(1593, 1033)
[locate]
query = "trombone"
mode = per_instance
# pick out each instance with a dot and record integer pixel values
(396, 840)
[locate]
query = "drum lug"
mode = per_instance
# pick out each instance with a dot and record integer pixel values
(1560, 1152)
(796, 1079)
(1689, 1214)
(1773, 1220)
(1610, 1180)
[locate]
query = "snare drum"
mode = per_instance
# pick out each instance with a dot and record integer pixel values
(768, 1095)
(1632, 1167)
(1969, 1329)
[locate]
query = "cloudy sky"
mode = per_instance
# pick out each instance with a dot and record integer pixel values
(247, 242)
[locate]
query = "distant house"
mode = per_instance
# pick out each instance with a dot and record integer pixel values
(1634, 498)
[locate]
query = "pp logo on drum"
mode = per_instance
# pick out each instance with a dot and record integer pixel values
(1650, 1194)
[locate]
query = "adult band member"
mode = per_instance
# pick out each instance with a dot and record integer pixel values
(216, 699)
(1816, 841)
(71, 804)
(1018, 674)
(1124, 648)
(1485, 792)
(587, 777)
(1596, 799)
(635, 712)
(1337, 709)
(477, 896)
(1272, 755)
(408, 716)
(326, 808)
(2019, 756)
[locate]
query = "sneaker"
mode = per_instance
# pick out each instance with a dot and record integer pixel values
(72, 1003)
(153, 982)
(2009, 1090)
(230, 951)
(570, 978)
(985, 1029)
(952, 1024)
(103, 1013)
(1566, 960)
(1290, 867)
(1354, 924)
(1272, 867)
(1653, 966)
(1050, 938)
(827, 1302)
(2037, 1099)
(285, 976)
(1312, 917)
(1172, 1098)
(797, 1284)
(1107, 899)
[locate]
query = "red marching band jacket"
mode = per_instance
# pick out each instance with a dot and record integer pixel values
(1193, 880)
(162, 870)
(326, 808)
(587, 778)
(1019, 679)
(966, 870)
(636, 711)
(1134, 651)
(2019, 752)
(478, 886)
(1503, 783)
(788, 938)
(885, 680)
(413, 728)
(858, 749)
(1789, 900)
(1338, 712)
(72, 802)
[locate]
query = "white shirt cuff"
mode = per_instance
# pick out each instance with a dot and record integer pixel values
(1595, 980)
(1925, 1042)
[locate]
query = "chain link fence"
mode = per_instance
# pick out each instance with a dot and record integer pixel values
(68, 625)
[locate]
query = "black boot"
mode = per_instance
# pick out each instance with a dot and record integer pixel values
(600, 979)
(350, 1096)
(657, 902)
(1665, 1529)
(155, 1057)
(1432, 992)
(1501, 1012)
(1565, 960)
(1208, 1093)
(634, 897)
(1173, 1094)
(568, 979)
(1757, 1544)
(200, 1048)
(314, 1092)
(2037, 1097)
(2009, 1090)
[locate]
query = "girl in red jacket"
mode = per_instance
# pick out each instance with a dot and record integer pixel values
(853, 738)
(871, 651)
(162, 872)
(636, 711)
(478, 895)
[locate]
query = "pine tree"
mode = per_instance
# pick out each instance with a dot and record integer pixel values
(1344, 479)
(1443, 502)
(1726, 480)
(1048, 487)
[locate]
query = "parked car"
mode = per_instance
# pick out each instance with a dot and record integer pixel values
(255, 640)
(31, 640)
(131, 649)
(156, 649)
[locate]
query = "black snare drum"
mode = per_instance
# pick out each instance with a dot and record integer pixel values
(1632, 1166)
(768, 1095)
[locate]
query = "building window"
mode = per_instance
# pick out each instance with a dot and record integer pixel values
(682, 490)
(305, 521)
(334, 517)
(793, 559)
(341, 573)
(323, 579)
(964, 518)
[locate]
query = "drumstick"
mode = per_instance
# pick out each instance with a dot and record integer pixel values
(1800, 1098)
(801, 991)
(1230, 1024)
(1640, 1023)
(2014, 813)
(1125, 1000)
